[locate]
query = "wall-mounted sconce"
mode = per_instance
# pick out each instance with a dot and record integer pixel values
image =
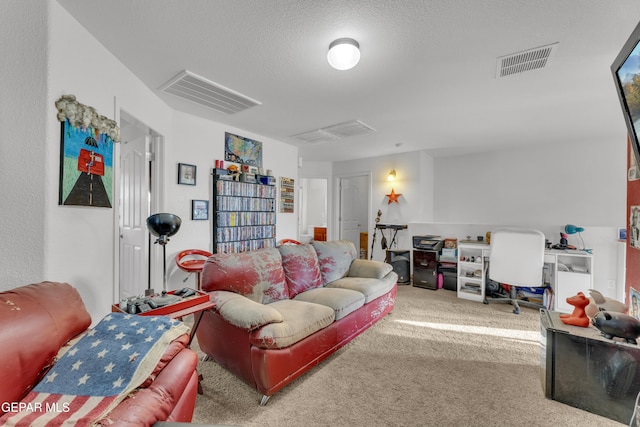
(392, 175)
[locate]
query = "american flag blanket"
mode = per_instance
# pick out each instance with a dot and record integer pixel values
(97, 372)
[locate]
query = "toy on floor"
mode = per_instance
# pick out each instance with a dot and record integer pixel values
(578, 317)
(620, 325)
(599, 302)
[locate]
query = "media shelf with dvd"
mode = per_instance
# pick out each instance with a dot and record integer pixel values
(244, 213)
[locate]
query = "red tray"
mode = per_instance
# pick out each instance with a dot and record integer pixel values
(198, 298)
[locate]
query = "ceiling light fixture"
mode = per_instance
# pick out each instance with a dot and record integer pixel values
(343, 54)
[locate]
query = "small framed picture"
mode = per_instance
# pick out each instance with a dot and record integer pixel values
(634, 306)
(186, 174)
(199, 209)
(622, 234)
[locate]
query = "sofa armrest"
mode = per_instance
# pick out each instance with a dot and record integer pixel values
(369, 269)
(242, 312)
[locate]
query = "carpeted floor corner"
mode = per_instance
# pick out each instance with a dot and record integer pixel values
(436, 360)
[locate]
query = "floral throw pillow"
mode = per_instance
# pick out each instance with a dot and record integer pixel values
(301, 268)
(258, 275)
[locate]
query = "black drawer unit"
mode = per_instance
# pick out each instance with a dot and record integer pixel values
(425, 269)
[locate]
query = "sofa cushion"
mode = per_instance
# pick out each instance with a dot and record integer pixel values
(300, 319)
(258, 275)
(369, 268)
(301, 268)
(335, 258)
(371, 288)
(242, 312)
(342, 301)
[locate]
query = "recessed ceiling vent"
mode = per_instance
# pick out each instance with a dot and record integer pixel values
(335, 132)
(527, 60)
(204, 92)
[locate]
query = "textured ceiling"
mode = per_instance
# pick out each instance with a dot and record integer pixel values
(426, 79)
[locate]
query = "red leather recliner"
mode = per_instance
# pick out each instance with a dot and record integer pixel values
(39, 319)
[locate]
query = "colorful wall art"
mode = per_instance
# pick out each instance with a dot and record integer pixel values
(239, 149)
(86, 167)
(287, 194)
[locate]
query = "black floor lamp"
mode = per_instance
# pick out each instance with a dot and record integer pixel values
(163, 225)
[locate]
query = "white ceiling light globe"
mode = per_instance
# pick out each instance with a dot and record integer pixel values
(343, 54)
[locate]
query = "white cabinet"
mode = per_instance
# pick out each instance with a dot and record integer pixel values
(567, 272)
(573, 273)
(472, 270)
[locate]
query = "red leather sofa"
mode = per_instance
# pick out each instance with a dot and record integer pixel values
(280, 311)
(39, 320)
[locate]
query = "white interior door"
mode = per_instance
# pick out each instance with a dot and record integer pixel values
(354, 208)
(134, 210)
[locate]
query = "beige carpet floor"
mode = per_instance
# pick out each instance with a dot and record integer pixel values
(436, 360)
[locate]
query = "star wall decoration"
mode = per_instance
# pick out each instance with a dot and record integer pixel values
(393, 197)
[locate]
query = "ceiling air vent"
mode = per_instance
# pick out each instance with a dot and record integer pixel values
(527, 60)
(315, 136)
(204, 92)
(335, 132)
(347, 129)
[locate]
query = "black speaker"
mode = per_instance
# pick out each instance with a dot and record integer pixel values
(400, 261)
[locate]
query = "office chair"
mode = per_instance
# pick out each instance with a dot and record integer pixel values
(517, 260)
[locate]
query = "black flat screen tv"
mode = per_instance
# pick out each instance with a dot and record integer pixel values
(626, 73)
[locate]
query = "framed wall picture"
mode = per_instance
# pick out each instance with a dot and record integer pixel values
(634, 306)
(199, 209)
(239, 149)
(287, 192)
(86, 172)
(186, 174)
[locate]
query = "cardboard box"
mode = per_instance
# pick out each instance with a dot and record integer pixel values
(450, 243)
(449, 252)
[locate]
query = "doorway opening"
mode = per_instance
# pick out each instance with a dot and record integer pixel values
(313, 208)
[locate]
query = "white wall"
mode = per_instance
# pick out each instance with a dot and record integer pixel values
(200, 142)
(46, 54)
(576, 182)
(23, 141)
(80, 242)
(410, 181)
(546, 186)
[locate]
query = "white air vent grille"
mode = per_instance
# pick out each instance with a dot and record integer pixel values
(201, 91)
(315, 136)
(527, 60)
(347, 129)
(335, 132)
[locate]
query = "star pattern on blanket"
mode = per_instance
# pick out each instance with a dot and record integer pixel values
(97, 372)
(109, 352)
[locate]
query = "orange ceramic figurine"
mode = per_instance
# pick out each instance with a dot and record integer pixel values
(578, 317)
